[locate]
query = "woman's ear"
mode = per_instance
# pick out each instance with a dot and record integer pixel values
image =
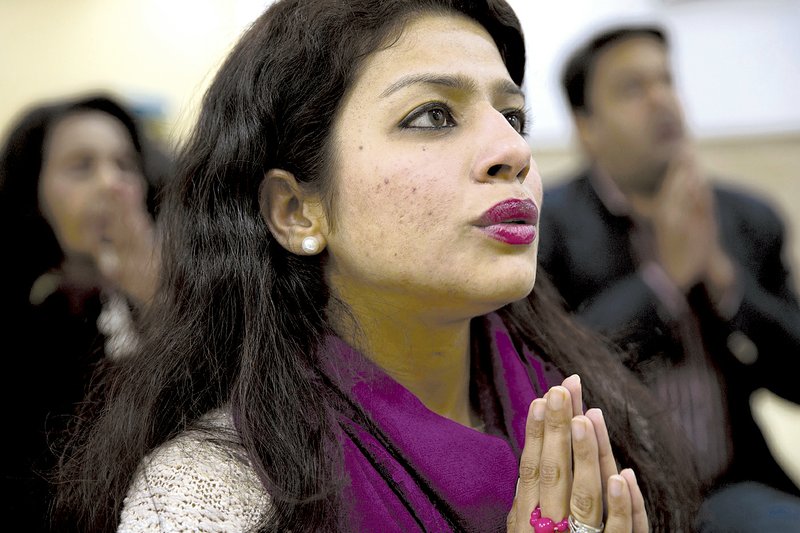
(294, 217)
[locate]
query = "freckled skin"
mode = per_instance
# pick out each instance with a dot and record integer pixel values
(405, 229)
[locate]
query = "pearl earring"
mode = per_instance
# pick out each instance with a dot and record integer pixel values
(310, 245)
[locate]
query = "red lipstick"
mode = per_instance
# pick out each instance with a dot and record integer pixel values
(511, 221)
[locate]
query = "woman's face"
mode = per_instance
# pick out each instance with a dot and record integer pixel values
(437, 194)
(90, 169)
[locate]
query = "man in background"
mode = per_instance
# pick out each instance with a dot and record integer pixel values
(688, 277)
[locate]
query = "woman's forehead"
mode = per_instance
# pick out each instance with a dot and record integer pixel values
(86, 130)
(452, 45)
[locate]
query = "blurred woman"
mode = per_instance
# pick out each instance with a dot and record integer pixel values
(78, 187)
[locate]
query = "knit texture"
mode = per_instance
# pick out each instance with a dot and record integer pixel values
(193, 484)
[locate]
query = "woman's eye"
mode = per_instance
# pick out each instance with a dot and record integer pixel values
(128, 164)
(81, 166)
(430, 116)
(517, 120)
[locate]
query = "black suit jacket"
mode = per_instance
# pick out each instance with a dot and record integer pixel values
(587, 252)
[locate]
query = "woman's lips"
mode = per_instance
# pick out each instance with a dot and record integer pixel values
(511, 233)
(510, 221)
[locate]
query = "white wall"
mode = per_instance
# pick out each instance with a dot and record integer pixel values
(737, 62)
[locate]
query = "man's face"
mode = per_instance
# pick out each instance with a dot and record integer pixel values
(633, 126)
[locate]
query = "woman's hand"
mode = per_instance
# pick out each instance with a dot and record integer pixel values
(567, 466)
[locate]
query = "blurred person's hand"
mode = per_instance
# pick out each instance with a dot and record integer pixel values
(128, 256)
(682, 218)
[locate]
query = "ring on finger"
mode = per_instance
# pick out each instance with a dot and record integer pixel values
(543, 524)
(576, 526)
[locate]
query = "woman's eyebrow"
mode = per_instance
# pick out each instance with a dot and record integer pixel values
(456, 81)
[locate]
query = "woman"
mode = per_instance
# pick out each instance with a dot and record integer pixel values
(77, 194)
(345, 339)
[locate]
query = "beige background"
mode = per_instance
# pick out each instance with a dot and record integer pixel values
(158, 52)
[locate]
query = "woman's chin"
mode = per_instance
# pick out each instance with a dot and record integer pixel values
(517, 292)
(507, 291)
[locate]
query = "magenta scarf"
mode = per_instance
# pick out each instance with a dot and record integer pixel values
(414, 470)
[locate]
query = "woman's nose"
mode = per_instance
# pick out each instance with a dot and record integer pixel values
(109, 176)
(504, 154)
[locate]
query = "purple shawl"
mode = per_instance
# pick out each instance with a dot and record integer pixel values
(415, 470)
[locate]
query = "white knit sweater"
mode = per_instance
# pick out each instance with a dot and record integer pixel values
(191, 484)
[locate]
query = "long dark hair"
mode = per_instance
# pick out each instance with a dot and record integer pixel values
(25, 234)
(238, 320)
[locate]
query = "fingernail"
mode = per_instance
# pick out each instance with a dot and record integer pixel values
(538, 410)
(555, 398)
(578, 429)
(576, 377)
(516, 490)
(615, 486)
(633, 475)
